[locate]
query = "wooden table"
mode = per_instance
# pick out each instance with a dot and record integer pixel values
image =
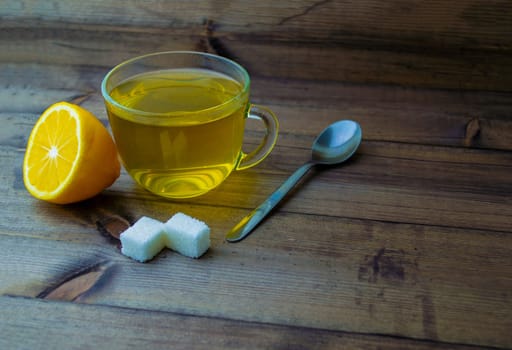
(406, 246)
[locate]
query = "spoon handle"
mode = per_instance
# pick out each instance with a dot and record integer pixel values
(250, 221)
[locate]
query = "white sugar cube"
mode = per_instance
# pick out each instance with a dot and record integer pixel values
(144, 239)
(187, 236)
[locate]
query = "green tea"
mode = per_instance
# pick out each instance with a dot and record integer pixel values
(183, 134)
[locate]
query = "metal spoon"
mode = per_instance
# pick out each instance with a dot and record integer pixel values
(334, 145)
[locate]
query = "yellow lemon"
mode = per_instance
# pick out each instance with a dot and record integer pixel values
(70, 156)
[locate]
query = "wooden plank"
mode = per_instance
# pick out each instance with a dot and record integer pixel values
(386, 181)
(475, 70)
(328, 273)
(408, 61)
(424, 116)
(420, 116)
(100, 327)
(447, 26)
(340, 192)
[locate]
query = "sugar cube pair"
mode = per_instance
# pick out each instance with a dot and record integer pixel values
(181, 233)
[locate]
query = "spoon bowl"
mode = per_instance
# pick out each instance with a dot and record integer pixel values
(337, 143)
(334, 145)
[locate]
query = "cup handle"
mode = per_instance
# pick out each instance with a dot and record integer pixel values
(269, 140)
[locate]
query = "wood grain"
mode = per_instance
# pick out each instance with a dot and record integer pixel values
(347, 266)
(430, 44)
(473, 24)
(329, 273)
(394, 182)
(406, 246)
(386, 113)
(386, 213)
(121, 328)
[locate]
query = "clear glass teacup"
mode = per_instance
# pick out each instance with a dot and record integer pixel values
(178, 120)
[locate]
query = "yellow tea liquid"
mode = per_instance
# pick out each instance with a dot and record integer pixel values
(194, 141)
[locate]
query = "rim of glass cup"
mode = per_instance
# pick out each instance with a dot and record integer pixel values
(107, 97)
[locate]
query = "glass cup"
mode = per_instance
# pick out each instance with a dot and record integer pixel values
(178, 120)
